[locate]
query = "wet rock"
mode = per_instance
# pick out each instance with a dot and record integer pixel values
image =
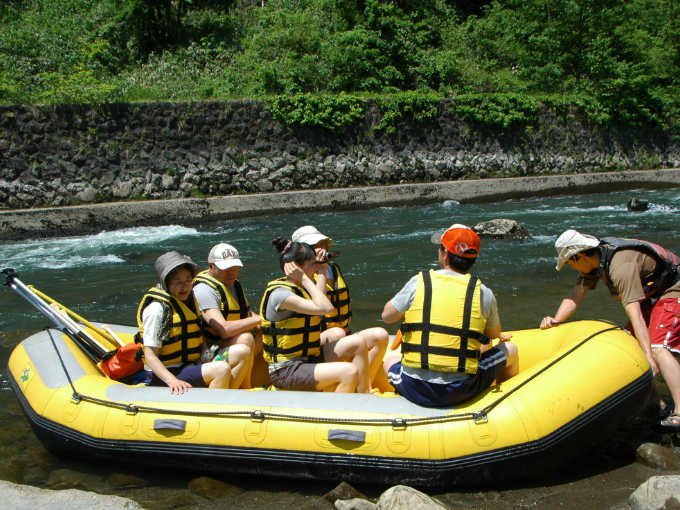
(659, 492)
(65, 479)
(402, 497)
(637, 205)
(657, 456)
(501, 228)
(343, 491)
(211, 488)
(354, 504)
(24, 497)
(125, 481)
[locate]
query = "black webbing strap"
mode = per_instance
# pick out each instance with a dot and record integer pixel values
(218, 289)
(467, 312)
(184, 335)
(427, 312)
(241, 298)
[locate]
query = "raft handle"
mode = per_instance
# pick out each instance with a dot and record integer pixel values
(480, 417)
(356, 436)
(399, 424)
(170, 425)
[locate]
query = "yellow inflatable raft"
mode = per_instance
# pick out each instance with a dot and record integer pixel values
(577, 381)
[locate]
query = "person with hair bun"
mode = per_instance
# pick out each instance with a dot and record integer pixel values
(292, 309)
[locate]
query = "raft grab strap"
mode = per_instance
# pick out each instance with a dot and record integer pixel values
(480, 416)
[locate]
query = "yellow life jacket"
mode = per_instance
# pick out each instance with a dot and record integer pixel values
(183, 344)
(444, 328)
(338, 295)
(232, 307)
(290, 338)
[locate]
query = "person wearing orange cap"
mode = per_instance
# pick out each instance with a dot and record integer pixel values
(645, 278)
(449, 318)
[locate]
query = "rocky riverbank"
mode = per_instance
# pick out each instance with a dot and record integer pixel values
(81, 154)
(60, 221)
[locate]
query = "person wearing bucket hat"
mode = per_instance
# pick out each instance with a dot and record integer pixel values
(449, 318)
(644, 277)
(229, 321)
(335, 324)
(170, 329)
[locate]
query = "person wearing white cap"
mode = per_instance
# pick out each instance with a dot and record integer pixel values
(335, 324)
(645, 278)
(170, 329)
(337, 289)
(225, 310)
(449, 319)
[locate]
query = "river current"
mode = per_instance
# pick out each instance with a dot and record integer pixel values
(102, 278)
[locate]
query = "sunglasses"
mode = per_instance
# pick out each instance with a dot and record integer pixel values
(574, 257)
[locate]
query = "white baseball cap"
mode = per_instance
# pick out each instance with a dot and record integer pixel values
(224, 256)
(310, 235)
(572, 242)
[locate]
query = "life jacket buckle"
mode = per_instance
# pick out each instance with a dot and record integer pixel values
(257, 416)
(480, 417)
(399, 424)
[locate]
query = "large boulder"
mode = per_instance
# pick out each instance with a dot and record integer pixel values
(402, 497)
(501, 228)
(25, 497)
(657, 493)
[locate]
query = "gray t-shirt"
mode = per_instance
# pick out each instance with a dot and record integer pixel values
(273, 313)
(403, 300)
(207, 297)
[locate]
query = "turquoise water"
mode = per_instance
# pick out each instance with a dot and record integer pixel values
(103, 276)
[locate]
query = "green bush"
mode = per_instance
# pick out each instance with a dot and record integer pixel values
(329, 112)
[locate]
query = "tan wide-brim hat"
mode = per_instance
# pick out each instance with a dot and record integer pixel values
(572, 242)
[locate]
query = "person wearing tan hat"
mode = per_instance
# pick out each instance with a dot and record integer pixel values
(449, 319)
(335, 324)
(225, 310)
(645, 279)
(170, 329)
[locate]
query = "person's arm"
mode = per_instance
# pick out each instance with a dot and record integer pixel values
(319, 304)
(228, 329)
(390, 314)
(566, 308)
(157, 367)
(637, 321)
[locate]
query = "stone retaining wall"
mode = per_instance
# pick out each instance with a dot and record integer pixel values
(74, 154)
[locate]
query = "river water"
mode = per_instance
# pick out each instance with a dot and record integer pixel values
(102, 277)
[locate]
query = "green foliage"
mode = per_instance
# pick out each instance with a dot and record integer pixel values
(498, 110)
(329, 112)
(411, 106)
(612, 62)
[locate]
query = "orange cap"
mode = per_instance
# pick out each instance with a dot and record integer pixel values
(461, 240)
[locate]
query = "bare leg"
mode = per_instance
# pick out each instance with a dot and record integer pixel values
(343, 375)
(376, 341)
(351, 348)
(512, 364)
(331, 335)
(670, 371)
(241, 363)
(216, 374)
